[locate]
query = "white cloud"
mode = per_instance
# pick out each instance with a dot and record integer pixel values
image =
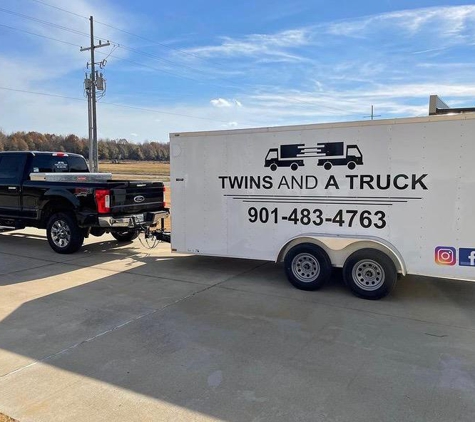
(263, 46)
(222, 103)
(444, 21)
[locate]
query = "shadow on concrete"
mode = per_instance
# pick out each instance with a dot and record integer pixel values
(230, 338)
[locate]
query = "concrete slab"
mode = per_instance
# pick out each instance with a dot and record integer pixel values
(162, 263)
(32, 242)
(119, 335)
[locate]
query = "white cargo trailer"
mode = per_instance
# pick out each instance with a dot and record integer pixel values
(379, 198)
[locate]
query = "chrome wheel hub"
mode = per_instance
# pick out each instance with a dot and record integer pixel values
(60, 233)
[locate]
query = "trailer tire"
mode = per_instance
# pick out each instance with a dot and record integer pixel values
(307, 266)
(370, 274)
(126, 235)
(63, 233)
(328, 165)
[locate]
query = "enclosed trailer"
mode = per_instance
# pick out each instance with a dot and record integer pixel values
(406, 207)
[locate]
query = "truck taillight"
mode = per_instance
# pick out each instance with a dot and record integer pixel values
(164, 202)
(103, 200)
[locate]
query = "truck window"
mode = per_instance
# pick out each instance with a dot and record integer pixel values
(272, 154)
(10, 167)
(52, 164)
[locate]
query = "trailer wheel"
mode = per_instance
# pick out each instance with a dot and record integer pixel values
(64, 234)
(307, 266)
(294, 166)
(273, 166)
(328, 165)
(370, 274)
(351, 165)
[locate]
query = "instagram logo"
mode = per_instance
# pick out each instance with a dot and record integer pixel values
(445, 255)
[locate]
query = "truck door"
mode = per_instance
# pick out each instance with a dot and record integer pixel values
(11, 172)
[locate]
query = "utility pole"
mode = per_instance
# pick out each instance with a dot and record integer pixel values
(91, 86)
(372, 115)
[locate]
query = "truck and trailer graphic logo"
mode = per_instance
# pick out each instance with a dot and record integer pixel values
(328, 154)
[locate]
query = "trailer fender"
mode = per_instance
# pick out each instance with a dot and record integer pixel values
(339, 248)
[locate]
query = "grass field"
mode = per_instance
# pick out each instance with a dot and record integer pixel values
(137, 170)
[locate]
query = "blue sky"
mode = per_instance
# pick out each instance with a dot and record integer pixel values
(206, 65)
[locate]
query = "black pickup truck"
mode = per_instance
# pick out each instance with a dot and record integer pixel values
(56, 192)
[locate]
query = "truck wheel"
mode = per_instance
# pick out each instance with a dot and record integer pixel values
(307, 266)
(294, 166)
(351, 165)
(126, 235)
(328, 165)
(64, 234)
(273, 166)
(370, 274)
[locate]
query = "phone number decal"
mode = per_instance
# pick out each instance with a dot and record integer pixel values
(317, 217)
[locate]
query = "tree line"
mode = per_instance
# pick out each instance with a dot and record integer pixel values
(115, 150)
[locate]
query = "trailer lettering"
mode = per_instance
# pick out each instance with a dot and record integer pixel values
(267, 182)
(379, 185)
(246, 182)
(366, 180)
(352, 178)
(380, 182)
(302, 182)
(331, 182)
(418, 181)
(318, 217)
(399, 176)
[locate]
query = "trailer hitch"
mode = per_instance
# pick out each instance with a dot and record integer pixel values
(152, 236)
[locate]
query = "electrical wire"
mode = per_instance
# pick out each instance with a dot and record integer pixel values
(143, 53)
(47, 23)
(39, 35)
(113, 104)
(129, 33)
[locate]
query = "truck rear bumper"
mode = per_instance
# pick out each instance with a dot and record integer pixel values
(132, 221)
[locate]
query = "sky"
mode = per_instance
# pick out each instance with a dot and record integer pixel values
(198, 65)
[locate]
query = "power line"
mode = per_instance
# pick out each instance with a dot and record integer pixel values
(153, 56)
(51, 24)
(112, 104)
(240, 87)
(59, 8)
(105, 54)
(129, 33)
(38, 35)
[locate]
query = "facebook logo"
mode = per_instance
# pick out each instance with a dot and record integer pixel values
(467, 257)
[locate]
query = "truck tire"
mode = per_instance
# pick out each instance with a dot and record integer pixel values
(64, 234)
(370, 274)
(307, 266)
(126, 235)
(294, 166)
(328, 165)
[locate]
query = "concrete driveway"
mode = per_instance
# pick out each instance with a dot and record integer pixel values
(120, 333)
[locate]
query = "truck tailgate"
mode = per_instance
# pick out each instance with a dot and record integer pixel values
(137, 196)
